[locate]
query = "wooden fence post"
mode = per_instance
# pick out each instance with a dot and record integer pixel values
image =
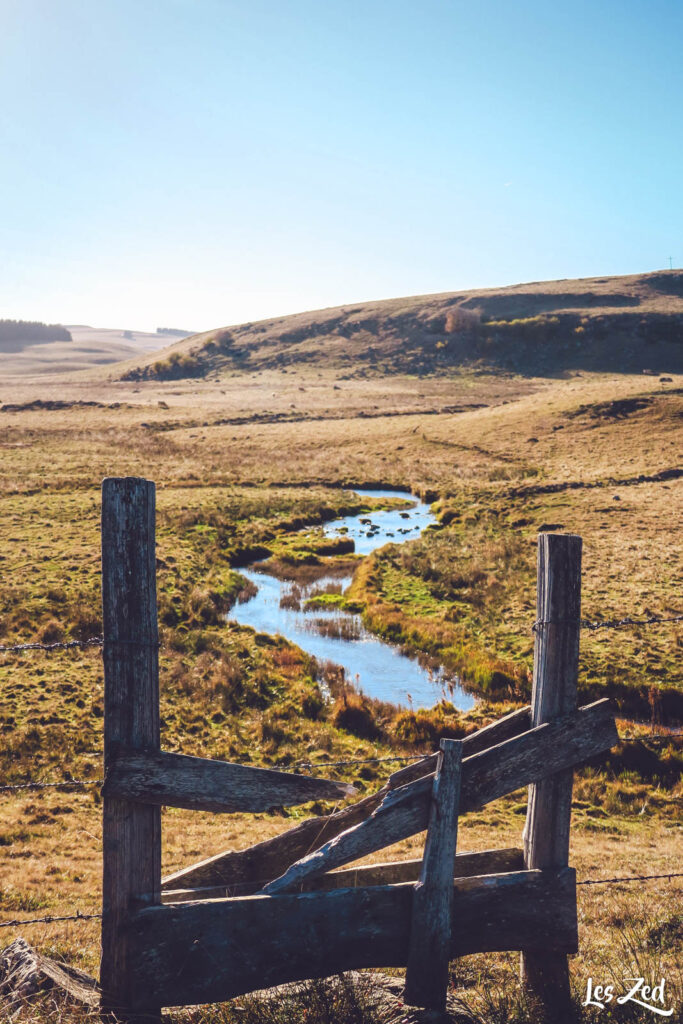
(431, 924)
(556, 658)
(131, 873)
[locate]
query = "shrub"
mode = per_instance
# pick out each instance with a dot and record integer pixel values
(204, 607)
(223, 339)
(312, 705)
(50, 632)
(85, 621)
(355, 714)
(426, 726)
(461, 320)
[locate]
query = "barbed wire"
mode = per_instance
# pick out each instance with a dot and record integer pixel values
(607, 623)
(628, 878)
(50, 919)
(76, 783)
(363, 760)
(403, 758)
(65, 645)
(73, 783)
(95, 641)
(421, 757)
(99, 641)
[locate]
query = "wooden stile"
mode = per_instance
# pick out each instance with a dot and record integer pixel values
(431, 924)
(307, 920)
(555, 682)
(131, 832)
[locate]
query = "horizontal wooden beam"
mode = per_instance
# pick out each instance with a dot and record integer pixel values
(214, 950)
(494, 772)
(486, 862)
(269, 858)
(176, 780)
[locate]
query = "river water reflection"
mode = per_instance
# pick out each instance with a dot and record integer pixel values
(377, 668)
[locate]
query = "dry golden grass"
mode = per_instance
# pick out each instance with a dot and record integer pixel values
(217, 462)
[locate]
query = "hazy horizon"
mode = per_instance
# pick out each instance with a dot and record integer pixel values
(384, 298)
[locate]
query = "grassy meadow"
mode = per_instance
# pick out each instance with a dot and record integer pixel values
(248, 465)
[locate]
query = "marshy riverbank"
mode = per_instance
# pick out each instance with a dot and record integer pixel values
(316, 616)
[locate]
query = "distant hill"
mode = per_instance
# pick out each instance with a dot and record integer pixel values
(631, 323)
(49, 349)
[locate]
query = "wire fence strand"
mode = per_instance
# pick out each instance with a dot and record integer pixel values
(80, 783)
(100, 641)
(71, 784)
(628, 878)
(363, 760)
(298, 765)
(606, 623)
(49, 919)
(20, 922)
(65, 645)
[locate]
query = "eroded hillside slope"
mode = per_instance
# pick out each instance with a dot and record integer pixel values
(623, 324)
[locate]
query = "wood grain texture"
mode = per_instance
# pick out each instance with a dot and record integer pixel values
(131, 868)
(270, 858)
(217, 949)
(25, 973)
(176, 780)
(431, 921)
(492, 773)
(555, 680)
(485, 862)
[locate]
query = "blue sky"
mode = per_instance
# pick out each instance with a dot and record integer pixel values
(195, 163)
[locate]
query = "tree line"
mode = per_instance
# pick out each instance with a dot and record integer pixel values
(32, 330)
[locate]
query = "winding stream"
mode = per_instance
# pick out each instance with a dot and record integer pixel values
(375, 667)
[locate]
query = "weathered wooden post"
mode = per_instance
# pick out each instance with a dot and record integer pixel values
(431, 924)
(131, 873)
(556, 661)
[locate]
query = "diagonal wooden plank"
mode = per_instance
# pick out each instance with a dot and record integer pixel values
(492, 773)
(176, 780)
(431, 923)
(269, 858)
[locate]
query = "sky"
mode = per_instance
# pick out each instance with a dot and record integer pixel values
(198, 163)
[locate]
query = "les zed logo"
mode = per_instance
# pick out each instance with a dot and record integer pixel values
(600, 995)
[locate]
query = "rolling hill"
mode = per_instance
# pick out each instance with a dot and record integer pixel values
(58, 349)
(615, 324)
